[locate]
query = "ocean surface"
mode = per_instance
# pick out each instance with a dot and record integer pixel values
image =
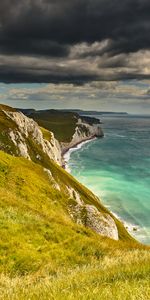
(117, 169)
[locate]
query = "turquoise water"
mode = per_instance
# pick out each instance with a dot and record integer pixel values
(117, 169)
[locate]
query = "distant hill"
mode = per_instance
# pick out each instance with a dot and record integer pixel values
(94, 112)
(78, 111)
(62, 123)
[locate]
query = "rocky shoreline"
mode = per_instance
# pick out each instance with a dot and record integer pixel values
(84, 132)
(65, 153)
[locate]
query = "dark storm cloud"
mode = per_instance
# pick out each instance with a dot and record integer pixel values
(52, 28)
(54, 74)
(33, 47)
(74, 21)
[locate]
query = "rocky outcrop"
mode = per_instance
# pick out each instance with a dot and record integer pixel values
(83, 132)
(91, 217)
(27, 129)
(52, 180)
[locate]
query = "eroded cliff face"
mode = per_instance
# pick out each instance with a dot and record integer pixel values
(91, 217)
(83, 132)
(27, 132)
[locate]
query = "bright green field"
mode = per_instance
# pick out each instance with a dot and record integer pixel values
(45, 255)
(62, 124)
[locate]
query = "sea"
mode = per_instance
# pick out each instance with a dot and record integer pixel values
(117, 169)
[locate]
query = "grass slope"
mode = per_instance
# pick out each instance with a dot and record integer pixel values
(45, 255)
(5, 124)
(62, 124)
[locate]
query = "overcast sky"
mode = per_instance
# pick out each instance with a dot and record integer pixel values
(92, 54)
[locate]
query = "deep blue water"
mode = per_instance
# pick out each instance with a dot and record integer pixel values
(117, 169)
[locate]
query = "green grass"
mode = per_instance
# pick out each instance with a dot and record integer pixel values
(124, 276)
(7, 108)
(5, 125)
(62, 124)
(45, 255)
(47, 135)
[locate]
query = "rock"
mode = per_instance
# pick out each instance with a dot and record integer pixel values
(101, 223)
(53, 181)
(20, 143)
(135, 229)
(83, 132)
(73, 194)
(29, 129)
(89, 216)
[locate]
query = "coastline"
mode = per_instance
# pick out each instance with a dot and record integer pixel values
(66, 156)
(128, 226)
(67, 152)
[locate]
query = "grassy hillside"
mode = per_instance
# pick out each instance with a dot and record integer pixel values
(5, 124)
(62, 124)
(45, 255)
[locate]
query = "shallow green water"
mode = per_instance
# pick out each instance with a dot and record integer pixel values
(117, 168)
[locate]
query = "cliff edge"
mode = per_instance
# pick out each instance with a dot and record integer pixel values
(21, 136)
(83, 132)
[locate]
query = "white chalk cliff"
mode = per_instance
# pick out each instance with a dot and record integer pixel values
(83, 132)
(28, 129)
(91, 217)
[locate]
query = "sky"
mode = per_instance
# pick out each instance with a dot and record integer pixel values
(88, 54)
